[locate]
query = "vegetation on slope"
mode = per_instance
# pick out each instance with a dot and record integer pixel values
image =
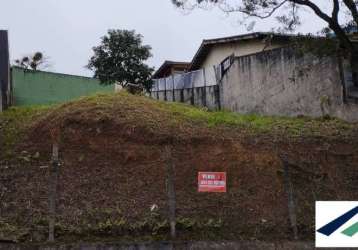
(14, 121)
(113, 171)
(13, 124)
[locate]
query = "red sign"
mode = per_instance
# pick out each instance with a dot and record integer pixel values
(212, 182)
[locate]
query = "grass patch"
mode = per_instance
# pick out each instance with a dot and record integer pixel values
(13, 123)
(158, 114)
(179, 112)
(293, 126)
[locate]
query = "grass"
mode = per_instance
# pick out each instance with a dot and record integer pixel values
(13, 123)
(294, 126)
(253, 123)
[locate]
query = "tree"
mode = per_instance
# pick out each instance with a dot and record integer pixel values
(34, 62)
(342, 13)
(120, 59)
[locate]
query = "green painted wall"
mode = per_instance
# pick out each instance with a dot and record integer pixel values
(39, 87)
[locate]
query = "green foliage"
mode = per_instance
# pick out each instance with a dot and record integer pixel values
(253, 123)
(6, 228)
(11, 232)
(33, 62)
(106, 223)
(13, 122)
(151, 222)
(120, 59)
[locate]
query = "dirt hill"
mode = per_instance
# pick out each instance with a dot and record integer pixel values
(113, 170)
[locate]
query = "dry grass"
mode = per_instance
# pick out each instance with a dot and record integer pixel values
(165, 117)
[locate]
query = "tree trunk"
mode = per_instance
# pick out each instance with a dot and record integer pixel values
(352, 50)
(354, 67)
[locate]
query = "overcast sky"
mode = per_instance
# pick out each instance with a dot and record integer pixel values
(66, 30)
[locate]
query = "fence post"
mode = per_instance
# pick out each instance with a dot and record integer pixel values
(217, 88)
(165, 89)
(182, 95)
(291, 203)
(171, 190)
(204, 77)
(173, 88)
(192, 99)
(53, 192)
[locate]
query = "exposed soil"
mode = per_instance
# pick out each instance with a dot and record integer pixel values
(113, 171)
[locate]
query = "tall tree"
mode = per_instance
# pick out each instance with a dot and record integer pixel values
(120, 58)
(341, 13)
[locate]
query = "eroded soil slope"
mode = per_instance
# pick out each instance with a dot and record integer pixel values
(113, 170)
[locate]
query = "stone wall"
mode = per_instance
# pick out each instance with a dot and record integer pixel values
(280, 82)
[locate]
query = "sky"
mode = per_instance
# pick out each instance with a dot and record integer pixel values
(66, 30)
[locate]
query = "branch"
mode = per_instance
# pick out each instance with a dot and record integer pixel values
(267, 15)
(335, 10)
(315, 8)
(295, 18)
(332, 22)
(353, 9)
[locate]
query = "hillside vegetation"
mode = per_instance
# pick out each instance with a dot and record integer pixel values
(113, 170)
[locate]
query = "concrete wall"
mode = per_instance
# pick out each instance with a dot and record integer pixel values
(221, 51)
(200, 96)
(279, 82)
(39, 88)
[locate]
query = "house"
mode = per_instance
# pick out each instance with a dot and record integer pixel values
(169, 68)
(261, 73)
(213, 52)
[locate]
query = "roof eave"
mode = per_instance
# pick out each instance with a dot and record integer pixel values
(207, 44)
(166, 64)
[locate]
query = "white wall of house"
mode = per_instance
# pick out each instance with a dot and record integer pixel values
(221, 51)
